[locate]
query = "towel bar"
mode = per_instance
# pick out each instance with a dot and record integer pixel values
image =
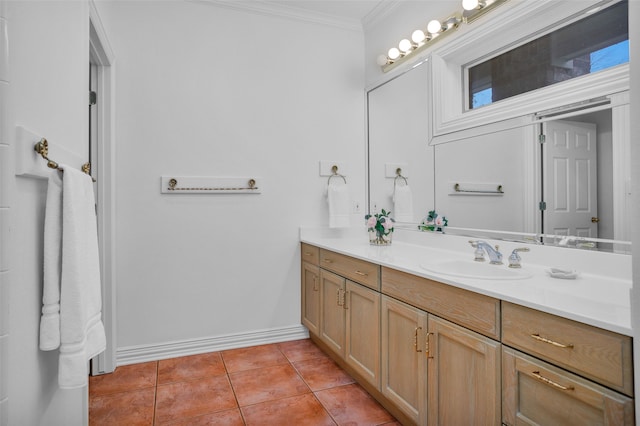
(209, 185)
(42, 148)
(473, 189)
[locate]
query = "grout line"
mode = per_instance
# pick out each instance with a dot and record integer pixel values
(155, 393)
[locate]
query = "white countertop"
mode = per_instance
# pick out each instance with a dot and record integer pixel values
(600, 296)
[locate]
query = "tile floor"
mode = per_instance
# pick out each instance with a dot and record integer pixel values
(292, 383)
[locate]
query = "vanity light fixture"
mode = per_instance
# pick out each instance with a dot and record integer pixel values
(472, 10)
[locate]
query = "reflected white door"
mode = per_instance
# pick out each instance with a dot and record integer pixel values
(570, 179)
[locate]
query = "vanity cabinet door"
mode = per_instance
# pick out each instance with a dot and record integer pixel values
(332, 313)
(311, 297)
(404, 361)
(362, 348)
(463, 376)
(538, 393)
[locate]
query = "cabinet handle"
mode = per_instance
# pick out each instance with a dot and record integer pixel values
(315, 284)
(550, 382)
(328, 261)
(427, 348)
(551, 342)
(344, 299)
(415, 339)
(361, 273)
(338, 299)
(306, 253)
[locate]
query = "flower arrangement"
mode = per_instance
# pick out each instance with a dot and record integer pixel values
(380, 227)
(433, 222)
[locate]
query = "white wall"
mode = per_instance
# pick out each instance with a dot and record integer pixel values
(207, 91)
(496, 158)
(49, 57)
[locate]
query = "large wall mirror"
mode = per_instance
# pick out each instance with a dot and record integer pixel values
(560, 172)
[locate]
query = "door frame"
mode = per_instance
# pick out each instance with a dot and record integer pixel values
(102, 56)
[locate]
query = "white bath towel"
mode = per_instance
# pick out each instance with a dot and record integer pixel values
(403, 204)
(338, 197)
(77, 288)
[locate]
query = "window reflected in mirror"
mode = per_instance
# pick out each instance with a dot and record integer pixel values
(592, 44)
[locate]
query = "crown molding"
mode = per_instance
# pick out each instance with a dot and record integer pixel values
(264, 7)
(381, 11)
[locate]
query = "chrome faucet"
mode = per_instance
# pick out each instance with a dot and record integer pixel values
(495, 256)
(515, 259)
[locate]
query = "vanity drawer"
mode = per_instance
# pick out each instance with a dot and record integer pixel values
(597, 354)
(535, 392)
(357, 270)
(310, 254)
(471, 310)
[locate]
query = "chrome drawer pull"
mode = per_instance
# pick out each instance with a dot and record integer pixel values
(328, 261)
(551, 342)
(306, 253)
(543, 379)
(361, 273)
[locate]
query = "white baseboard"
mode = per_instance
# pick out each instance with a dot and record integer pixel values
(144, 353)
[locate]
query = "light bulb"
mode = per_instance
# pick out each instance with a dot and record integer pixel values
(434, 27)
(405, 45)
(382, 60)
(393, 53)
(470, 4)
(418, 36)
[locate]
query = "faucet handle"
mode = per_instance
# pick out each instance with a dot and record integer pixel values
(478, 253)
(515, 259)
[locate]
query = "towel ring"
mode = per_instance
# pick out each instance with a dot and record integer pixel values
(399, 176)
(334, 170)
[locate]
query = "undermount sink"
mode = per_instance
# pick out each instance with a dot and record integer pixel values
(476, 270)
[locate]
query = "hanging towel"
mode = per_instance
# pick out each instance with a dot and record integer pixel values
(338, 197)
(74, 285)
(403, 204)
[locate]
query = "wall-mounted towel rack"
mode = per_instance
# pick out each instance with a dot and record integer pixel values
(28, 155)
(334, 171)
(399, 176)
(209, 185)
(477, 189)
(42, 148)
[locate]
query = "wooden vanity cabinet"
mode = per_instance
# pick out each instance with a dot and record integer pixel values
(404, 360)
(463, 376)
(600, 355)
(562, 372)
(437, 372)
(310, 288)
(435, 354)
(350, 324)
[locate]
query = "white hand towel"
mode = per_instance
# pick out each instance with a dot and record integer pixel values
(338, 197)
(50, 320)
(403, 204)
(81, 330)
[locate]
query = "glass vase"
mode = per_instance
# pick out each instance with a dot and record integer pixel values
(379, 239)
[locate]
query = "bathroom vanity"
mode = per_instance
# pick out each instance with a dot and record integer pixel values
(443, 347)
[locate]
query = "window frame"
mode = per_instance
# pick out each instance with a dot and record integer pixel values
(451, 119)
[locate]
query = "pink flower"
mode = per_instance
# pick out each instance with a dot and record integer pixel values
(439, 222)
(371, 222)
(387, 224)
